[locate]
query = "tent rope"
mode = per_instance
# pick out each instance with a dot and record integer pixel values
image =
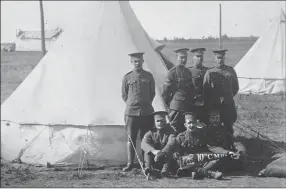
(24, 148)
(81, 161)
(82, 158)
(245, 126)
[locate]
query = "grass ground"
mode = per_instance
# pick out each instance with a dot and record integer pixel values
(265, 114)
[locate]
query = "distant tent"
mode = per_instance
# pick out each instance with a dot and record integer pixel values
(262, 70)
(70, 105)
(31, 40)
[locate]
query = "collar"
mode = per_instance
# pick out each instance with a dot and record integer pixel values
(200, 66)
(138, 70)
(221, 66)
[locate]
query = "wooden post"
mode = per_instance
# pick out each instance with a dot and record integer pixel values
(42, 29)
(220, 45)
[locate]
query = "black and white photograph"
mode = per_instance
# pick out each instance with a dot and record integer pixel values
(143, 94)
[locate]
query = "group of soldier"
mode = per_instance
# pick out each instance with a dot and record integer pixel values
(198, 140)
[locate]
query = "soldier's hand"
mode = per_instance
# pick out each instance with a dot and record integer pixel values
(160, 157)
(233, 155)
(155, 152)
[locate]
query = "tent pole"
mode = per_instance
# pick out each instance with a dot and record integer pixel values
(42, 28)
(220, 45)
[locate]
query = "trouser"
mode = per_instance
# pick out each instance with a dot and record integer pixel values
(229, 164)
(228, 116)
(150, 163)
(177, 120)
(132, 125)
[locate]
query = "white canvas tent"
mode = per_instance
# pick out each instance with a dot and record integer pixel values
(71, 103)
(262, 70)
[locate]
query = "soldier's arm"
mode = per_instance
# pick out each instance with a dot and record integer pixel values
(178, 146)
(124, 89)
(152, 88)
(235, 83)
(168, 88)
(147, 143)
(170, 146)
(206, 86)
(217, 149)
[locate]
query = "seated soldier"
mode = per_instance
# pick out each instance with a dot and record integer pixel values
(193, 154)
(221, 141)
(158, 145)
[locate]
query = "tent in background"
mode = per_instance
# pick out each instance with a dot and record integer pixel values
(70, 105)
(262, 70)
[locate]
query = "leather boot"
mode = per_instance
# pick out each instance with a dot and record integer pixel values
(148, 157)
(130, 157)
(216, 175)
(165, 170)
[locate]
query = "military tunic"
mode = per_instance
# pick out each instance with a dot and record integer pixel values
(198, 73)
(220, 85)
(164, 140)
(191, 142)
(219, 139)
(155, 140)
(138, 92)
(178, 94)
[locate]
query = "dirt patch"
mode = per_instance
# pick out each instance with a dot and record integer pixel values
(29, 176)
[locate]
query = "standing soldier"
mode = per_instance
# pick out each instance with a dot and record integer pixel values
(178, 90)
(159, 145)
(138, 92)
(198, 72)
(220, 86)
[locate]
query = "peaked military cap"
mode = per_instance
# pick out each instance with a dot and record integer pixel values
(137, 55)
(214, 112)
(198, 51)
(220, 52)
(182, 50)
(159, 115)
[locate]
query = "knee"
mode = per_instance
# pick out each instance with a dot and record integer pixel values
(148, 157)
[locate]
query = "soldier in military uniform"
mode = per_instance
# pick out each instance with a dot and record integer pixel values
(217, 134)
(138, 92)
(221, 141)
(158, 145)
(198, 72)
(178, 91)
(220, 85)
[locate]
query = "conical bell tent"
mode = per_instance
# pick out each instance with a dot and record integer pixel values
(70, 105)
(263, 69)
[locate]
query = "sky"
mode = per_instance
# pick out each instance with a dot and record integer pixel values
(188, 19)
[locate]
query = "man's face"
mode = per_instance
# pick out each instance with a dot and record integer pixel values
(214, 120)
(182, 58)
(219, 60)
(198, 59)
(190, 124)
(137, 63)
(160, 123)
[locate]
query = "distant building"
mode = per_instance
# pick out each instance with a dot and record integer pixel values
(31, 40)
(8, 47)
